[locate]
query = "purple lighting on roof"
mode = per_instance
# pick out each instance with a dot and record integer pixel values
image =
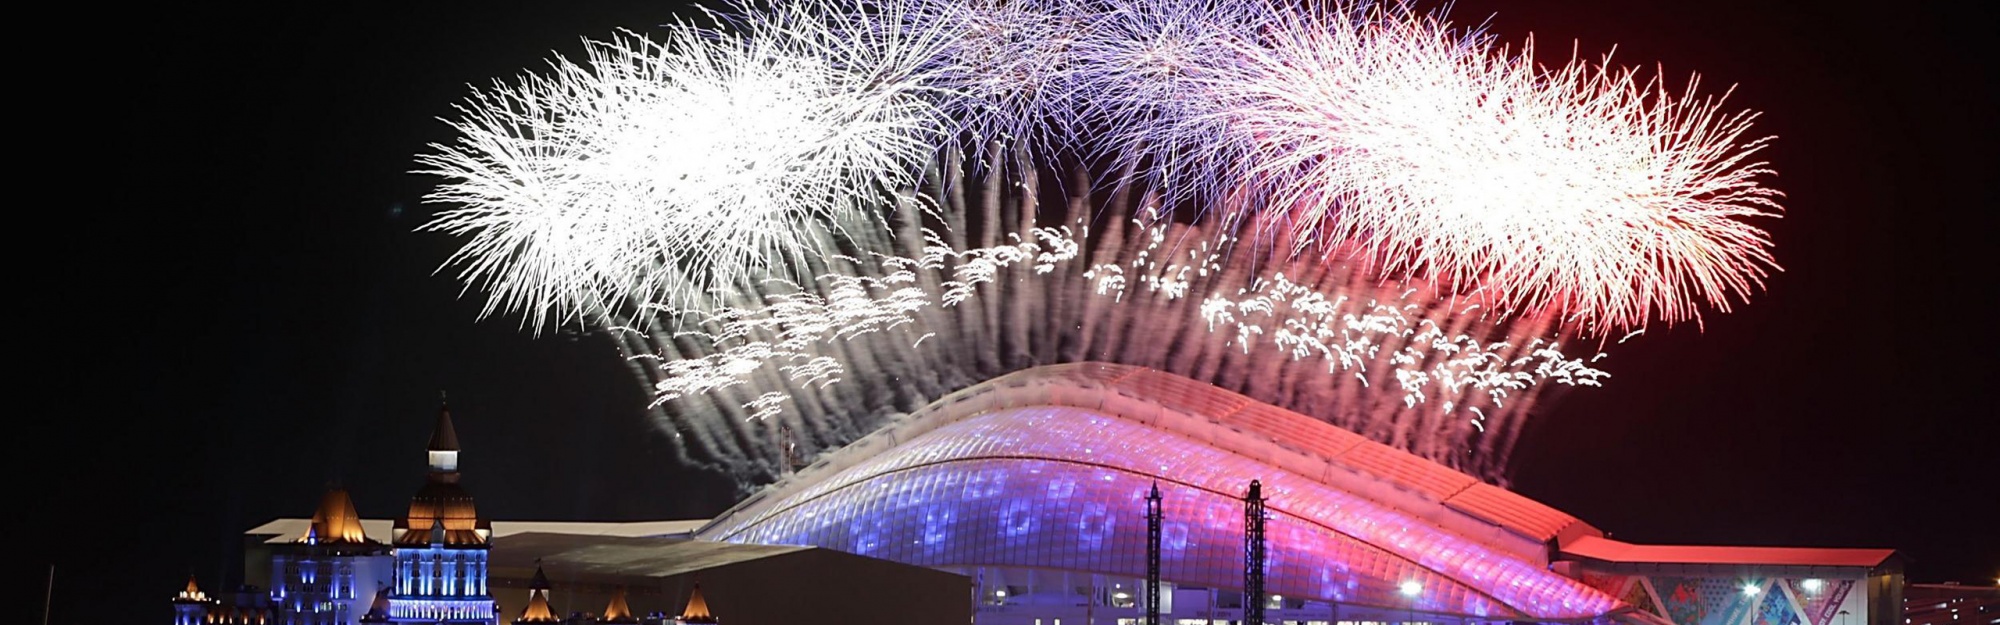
(1064, 488)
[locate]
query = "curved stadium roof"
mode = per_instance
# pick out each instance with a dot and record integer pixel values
(1049, 468)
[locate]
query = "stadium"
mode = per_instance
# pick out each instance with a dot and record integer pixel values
(1034, 485)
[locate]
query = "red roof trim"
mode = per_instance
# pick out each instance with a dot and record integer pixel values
(1608, 550)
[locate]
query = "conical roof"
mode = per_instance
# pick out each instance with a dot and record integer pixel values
(538, 600)
(444, 437)
(618, 611)
(538, 609)
(697, 608)
(191, 594)
(335, 521)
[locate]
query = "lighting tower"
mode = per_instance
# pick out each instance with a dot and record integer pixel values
(1253, 555)
(791, 448)
(1153, 556)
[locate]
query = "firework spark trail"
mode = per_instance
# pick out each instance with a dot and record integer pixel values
(855, 306)
(1348, 335)
(886, 333)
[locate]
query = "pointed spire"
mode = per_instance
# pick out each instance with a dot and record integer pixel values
(697, 608)
(618, 611)
(444, 437)
(541, 581)
(191, 594)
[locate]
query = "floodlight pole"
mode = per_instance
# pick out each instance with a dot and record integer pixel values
(1153, 556)
(1253, 555)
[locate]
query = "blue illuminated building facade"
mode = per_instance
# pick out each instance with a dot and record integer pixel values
(191, 606)
(441, 545)
(330, 575)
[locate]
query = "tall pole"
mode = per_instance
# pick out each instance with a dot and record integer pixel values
(791, 448)
(49, 598)
(1253, 555)
(1153, 556)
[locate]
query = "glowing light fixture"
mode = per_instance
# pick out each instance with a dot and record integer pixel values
(1750, 589)
(1813, 585)
(1411, 588)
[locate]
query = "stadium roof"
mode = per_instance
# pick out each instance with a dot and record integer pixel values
(1252, 428)
(628, 556)
(1034, 468)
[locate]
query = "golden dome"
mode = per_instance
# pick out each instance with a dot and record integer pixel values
(442, 504)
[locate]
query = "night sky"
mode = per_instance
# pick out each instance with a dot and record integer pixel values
(237, 312)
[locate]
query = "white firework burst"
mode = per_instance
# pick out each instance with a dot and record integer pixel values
(1580, 190)
(1008, 65)
(657, 172)
(1143, 71)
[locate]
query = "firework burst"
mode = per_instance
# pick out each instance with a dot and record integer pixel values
(1581, 189)
(658, 172)
(1009, 67)
(1144, 72)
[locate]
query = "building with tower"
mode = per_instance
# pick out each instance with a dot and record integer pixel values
(327, 571)
(191, 606)
(441, 545)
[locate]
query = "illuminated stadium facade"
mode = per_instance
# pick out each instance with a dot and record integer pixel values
(1034, 486)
